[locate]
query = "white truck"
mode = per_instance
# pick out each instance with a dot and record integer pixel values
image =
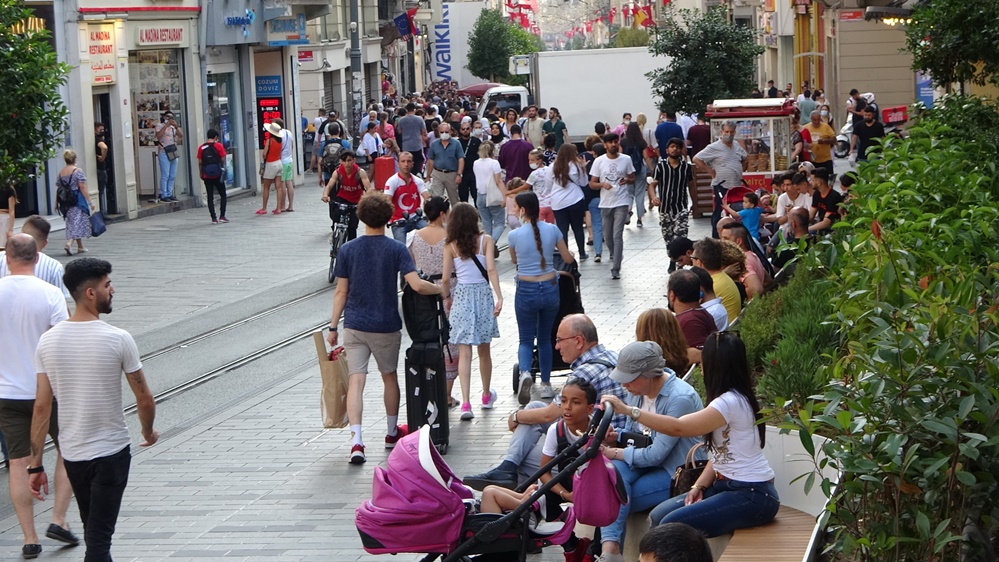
(587, 86)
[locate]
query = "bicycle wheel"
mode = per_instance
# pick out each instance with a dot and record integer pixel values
(339, 235)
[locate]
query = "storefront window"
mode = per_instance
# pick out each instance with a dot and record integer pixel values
(224, 118)
(157, 86)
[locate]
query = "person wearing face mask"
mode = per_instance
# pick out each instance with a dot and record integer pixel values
(625, 120)
(470, 144)
(865, 133)
(478, 131)
(445, 164)
(826, 116)
(725, 160)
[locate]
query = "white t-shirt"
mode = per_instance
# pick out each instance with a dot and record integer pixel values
(611, 171)
(564, 196)
(287, 147)
(30, 307)
(737, 454)
(540, 181)
(46, 268)
(802, 200)
(84, 362)
(550, 448)
(717, 311)
(485, 168)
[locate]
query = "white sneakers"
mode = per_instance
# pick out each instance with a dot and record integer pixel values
(524, 391)
(547, 393)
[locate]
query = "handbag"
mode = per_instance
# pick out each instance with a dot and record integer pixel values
(635, 439)
(171, 152)
(333, 367)
(598, 492)
(97, 224)
(494, 197)
(686, 474)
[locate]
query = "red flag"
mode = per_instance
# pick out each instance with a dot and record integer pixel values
(648, 21)
(589, 26)
(613, 12)
(410, 15)
(634, 10)
(524, 22)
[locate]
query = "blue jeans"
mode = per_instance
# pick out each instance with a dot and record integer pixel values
(640, 188)
(597, 223)
(647, 487)
(727, 505)
(536, 305)
(168, 172)
(493, 218)
(400, 232)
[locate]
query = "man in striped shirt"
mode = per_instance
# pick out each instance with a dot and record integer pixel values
(46, 268)
(79, 363)
(672, 181)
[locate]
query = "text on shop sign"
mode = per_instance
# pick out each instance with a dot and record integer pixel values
(161, 35)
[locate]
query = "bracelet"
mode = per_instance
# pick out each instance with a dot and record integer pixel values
(513, 417)
(36, 470)
(562, 494)
(697, 486)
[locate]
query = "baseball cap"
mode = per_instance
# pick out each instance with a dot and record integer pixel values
(638, 359)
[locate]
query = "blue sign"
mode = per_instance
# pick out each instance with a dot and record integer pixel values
(269, 86)
(282, 32)
(244, 21)
(442, 45)
(924, 88)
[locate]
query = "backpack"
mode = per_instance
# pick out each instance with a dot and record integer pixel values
(331, 155)
(65, 197)
(598, 492)
(211, 162)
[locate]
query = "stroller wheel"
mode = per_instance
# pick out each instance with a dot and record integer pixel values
(516, 377)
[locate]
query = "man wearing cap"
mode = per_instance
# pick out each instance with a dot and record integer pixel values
(576, 341)
(646, 471)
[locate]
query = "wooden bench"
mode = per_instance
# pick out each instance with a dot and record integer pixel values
(792, 536)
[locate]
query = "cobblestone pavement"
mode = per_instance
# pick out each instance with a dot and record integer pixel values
(262, 480)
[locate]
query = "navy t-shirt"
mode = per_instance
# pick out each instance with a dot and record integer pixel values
(666, 131)
(372, 265)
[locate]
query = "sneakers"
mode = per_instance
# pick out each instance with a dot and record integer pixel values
(547, 393)
(584, 256)
(215, 221)
(223, 219)
(357, 454)
(615, 276)
(524, 390)
(639, 223)
(494, 477)
(489, 400)
(611, 558)
(400, 432)
(596, 259)
(466, 412)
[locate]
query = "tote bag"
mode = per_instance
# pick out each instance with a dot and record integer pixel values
(333, 366)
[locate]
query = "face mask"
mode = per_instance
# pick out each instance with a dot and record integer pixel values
(445, 136)
(824, 113)
(534, 165)
(728, 137)
(477, 132)
(627, 121)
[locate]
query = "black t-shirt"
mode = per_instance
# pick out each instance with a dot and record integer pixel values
(864, 134)
(772, 92)
(828, 206)
(858, 105)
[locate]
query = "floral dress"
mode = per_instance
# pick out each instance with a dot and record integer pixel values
(430, 260)
(77, 216)
(472, 320)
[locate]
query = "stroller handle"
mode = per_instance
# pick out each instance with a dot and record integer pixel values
(598, 437)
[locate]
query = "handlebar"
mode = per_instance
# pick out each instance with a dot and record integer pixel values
(598, 437)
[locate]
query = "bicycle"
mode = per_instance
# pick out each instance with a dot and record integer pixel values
(339, 235)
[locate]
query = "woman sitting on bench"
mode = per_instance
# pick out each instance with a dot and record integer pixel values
(736, 489)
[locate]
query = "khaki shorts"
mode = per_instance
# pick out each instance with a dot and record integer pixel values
(360, 346)
(272, 170)
(287, 173)
(15, 423)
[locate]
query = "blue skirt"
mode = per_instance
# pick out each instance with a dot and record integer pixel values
(472, 320)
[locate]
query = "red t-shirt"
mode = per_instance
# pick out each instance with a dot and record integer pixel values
(405, 196)
(351, 189)
(218, 148)
(696, 324)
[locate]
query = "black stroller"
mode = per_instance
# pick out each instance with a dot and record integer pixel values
(419, 505)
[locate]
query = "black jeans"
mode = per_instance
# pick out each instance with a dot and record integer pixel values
(351, 221)
(716, 212)
(573, 216)
(418, 161)
(466, 190)
(211, 186)
(99, 485)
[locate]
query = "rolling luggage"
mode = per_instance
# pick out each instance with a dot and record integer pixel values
(426, 392)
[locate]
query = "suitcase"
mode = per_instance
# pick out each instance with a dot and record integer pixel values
(426, 392)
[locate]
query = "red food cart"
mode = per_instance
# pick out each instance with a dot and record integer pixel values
(763, 128)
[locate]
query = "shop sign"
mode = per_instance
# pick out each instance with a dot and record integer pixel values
(851, 15)
(769, 5)
(924, 88)
(244, 21)
(287, 31)
(895, 115)
(268, 86)
(268, 109)
(305, 56)
(770, 40)
(161, 35)
(100, 44)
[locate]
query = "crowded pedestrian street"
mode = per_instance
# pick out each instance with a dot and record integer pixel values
(243, 469)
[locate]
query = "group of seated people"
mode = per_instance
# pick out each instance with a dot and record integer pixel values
(658, 419)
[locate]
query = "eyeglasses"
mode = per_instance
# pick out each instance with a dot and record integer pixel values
(560, 340)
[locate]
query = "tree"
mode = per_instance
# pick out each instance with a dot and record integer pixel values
(490, 46)
(955, 41)
(710, 59)
(631, 37)
(33, 115)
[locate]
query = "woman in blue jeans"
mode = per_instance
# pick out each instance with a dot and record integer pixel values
(532, 249)
(736, 489)
(489, 186)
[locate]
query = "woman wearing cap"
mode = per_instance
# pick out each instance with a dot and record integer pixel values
(736, 489)
(272, 169)
(645, 468)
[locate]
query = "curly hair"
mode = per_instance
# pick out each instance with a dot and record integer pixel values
(660, 325)
(463, 229)
(733, 259)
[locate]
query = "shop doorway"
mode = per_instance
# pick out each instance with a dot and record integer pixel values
(105, 170)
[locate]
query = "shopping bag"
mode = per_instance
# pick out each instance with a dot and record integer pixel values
(333, 366)
(97, 225)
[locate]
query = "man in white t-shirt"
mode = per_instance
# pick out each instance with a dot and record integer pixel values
(407, 193)
(797, 193)
(46, 268)
(79, 364)
(613, 175)
(31, 306)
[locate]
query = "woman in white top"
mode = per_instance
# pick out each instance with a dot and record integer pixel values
(568, 179)
(489, 179)
(736, 489)
(372, 143)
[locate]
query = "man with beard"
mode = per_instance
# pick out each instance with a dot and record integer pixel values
(79, 364)
(406, 190)
(612, 175)
(470, 147)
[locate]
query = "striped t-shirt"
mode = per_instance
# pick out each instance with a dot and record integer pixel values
(46, 268)
(84, 362)
(674, 186)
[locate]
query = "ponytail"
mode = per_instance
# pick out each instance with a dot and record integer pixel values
(528, 201)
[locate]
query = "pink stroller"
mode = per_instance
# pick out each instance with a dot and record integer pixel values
(419, 505)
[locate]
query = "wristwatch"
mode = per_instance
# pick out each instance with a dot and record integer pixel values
(635, 412)
(36, 470)
(332, 328)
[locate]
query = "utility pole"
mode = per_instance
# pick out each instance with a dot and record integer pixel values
(356, 76)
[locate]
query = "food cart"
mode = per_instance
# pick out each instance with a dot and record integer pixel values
(763, 128)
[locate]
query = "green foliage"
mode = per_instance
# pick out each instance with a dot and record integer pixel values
(33, 115)
(631, 37)
(969, 118)
(696, 42)
(758, 327)
(955, 40)
(493, 41)
(912, 416)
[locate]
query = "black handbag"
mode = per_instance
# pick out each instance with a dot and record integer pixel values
(635, 439)
(686, 474)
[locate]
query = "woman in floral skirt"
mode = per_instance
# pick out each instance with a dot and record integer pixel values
(77, 216)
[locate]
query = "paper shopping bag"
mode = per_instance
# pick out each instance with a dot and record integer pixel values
(333, 366)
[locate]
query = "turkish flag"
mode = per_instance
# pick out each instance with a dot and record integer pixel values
(613, 12)
(589, 26)
(648, 21)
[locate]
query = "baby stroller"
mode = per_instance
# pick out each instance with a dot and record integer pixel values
(419, 505)
(570, 302)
